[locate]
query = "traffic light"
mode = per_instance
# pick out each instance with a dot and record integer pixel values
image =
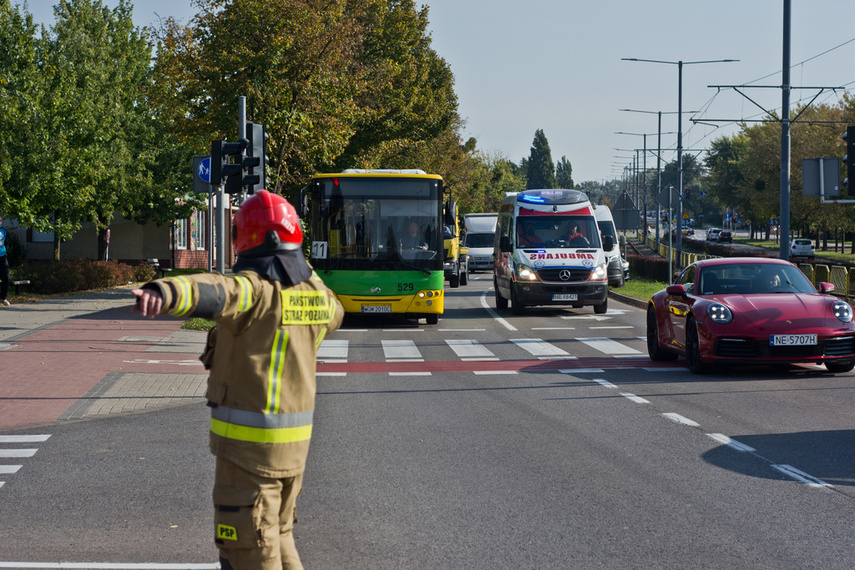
(258, 152)
(686, 194)
(849, 159)
(222, 168)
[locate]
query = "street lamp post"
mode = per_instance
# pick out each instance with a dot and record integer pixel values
(679, 65)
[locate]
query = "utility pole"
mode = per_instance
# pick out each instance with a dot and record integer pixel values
(784, 252)
(680, 65)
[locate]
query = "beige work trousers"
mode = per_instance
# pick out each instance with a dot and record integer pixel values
(254, 517)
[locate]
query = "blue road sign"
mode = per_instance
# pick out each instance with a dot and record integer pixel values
(204, 170)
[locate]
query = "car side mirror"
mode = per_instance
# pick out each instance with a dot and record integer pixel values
(505, 244)
(676, 290)
(608, 243)
(825, 288)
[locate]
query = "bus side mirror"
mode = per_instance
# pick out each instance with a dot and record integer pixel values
(303, 204)
(608, 243)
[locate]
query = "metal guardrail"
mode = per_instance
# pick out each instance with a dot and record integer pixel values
(837, 275)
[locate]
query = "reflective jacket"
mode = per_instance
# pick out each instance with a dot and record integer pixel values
(262, 358)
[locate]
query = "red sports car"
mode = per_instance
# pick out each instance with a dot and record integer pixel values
(749, 310)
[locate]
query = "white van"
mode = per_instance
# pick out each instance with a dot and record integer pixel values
(479, 237)
(548, 251)
(617, 273)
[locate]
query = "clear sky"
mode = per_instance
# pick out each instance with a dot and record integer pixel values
(556, 65)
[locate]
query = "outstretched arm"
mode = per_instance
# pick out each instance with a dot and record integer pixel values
(149, 302)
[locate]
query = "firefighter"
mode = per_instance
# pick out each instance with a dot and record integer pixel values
(271, 316)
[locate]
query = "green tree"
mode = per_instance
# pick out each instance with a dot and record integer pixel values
(19, 94)
(540, 168)
(337, 84)
(83, 153)
(564, 173)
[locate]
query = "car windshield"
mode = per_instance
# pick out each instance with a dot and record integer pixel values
(753, 278)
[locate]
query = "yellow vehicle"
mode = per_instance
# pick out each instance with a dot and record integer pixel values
(456, 264)
(360, 224)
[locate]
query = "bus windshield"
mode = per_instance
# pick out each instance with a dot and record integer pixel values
(370, 222)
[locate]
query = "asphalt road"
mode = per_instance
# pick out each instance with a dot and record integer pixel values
(546, 440)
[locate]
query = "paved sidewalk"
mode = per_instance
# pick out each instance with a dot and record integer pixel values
(81, 356)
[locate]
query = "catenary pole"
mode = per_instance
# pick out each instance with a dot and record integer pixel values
(785, 139)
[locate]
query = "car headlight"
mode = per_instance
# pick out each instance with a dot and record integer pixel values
(719, 313)
(524, 272)
(599, 273)
(842, 311)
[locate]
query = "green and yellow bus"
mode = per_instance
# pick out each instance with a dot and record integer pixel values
(377, 239)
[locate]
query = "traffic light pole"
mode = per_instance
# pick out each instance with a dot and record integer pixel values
(221, 234)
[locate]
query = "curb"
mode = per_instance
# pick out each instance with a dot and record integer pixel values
(638, 303)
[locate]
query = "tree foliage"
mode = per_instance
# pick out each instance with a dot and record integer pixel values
(336, 84)
(564, 174)
(540, 170)
(83, 131)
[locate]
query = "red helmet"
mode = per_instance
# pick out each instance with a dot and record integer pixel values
(267, 220)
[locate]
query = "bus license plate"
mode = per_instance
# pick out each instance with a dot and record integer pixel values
(565, 297)
(376, 308)
(792, 339)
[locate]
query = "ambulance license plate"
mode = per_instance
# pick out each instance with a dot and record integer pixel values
(565, 297)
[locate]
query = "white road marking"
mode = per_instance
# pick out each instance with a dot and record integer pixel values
(469, 349)
(333, 350)
(9, 469)
(493, 313)
(6, 453)
(677, 418)
(801, 476)
(23, 438)
(110, 565)
(539, 348)
(401, 351)
(721, 438)
(608, 346)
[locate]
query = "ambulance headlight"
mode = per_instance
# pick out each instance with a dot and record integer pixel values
(599, 272)
(524, 272)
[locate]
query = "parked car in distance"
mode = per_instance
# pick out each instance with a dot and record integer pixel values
(712, 234)
(800, 247)
(711, 313)
(724, 236)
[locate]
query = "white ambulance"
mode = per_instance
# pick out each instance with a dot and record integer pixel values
(548, 251)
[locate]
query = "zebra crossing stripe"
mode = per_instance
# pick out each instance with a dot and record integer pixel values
(468, 349)
(608, 346)
(7, 453)
(539, 348)
(401, 351)
(23, 438)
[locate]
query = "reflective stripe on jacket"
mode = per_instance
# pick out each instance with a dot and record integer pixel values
(262, 363)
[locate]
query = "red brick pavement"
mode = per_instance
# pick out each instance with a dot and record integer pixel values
(47, 371)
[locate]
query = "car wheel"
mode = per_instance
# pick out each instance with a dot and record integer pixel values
(602, 308)
(517, 307)
(840, 366)
(693, 350)
(464, 278)
(653, 349)
(432, 319)
(501, 302)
